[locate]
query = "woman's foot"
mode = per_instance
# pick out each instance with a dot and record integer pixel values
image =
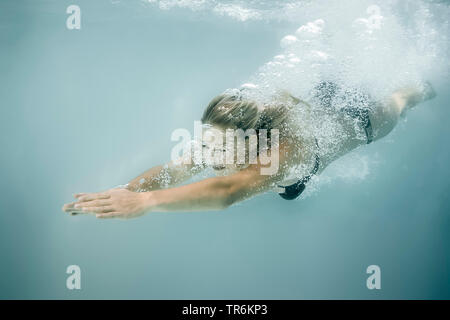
(407, 98)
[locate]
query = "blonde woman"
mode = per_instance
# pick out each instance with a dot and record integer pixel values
(300, 144)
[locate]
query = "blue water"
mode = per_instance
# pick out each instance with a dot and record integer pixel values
(85, 110)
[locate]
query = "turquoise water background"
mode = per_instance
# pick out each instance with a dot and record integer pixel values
(85, 110)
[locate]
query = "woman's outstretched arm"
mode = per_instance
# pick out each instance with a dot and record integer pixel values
(210, 194)
(164, 176)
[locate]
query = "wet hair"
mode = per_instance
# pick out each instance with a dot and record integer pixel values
(233, 112)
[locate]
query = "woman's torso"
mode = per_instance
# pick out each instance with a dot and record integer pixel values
(328, 126)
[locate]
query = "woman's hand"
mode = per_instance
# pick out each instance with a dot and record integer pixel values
(114, 203)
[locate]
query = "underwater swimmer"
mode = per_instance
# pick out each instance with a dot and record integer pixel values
(158, 190)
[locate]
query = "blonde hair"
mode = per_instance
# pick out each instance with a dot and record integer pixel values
(232, 112)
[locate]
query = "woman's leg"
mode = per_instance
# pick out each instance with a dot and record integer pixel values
(385, 115)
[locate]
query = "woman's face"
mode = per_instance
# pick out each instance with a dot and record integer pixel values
(215, 150)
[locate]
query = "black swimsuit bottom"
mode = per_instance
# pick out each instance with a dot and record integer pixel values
(324, 94)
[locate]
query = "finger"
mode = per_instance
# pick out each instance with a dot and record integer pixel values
(94, 203)
(72, 207)
(109, 215)
(69, 207)
(70, 210)
(77, 195)
(93, 196)
(99, 209)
